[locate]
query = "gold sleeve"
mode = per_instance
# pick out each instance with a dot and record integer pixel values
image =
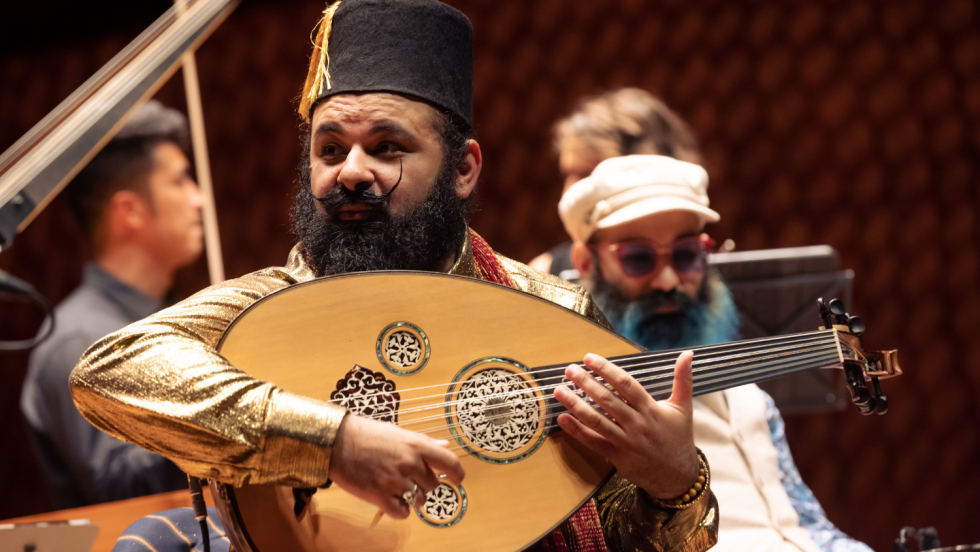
(159, 383)
(632, 520)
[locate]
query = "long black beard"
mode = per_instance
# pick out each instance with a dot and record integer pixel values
(707, 319)
(424, 239)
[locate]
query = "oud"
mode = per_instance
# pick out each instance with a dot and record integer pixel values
(474, 363)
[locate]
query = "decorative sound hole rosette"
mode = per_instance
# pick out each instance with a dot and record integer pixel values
(403, 348)
(496, 410)
(368, 394)
(444, 506)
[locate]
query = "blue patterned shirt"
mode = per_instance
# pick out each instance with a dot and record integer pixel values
(812, 517)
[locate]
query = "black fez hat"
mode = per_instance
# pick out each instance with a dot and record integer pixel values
(422, 48)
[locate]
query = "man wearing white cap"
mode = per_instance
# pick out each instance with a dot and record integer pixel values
(637, 228)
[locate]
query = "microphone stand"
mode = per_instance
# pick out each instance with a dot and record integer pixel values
(17, 289)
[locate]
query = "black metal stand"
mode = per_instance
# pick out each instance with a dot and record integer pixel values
(15, 289)
(200, 510)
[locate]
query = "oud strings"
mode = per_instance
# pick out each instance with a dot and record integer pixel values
(655, 388)
(641, 360)
(665, 370)
(803, 350)
(701, 364)
(701, 380)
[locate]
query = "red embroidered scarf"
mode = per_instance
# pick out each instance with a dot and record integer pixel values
(583, 531)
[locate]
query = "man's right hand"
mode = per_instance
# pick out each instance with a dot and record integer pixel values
(378, 462)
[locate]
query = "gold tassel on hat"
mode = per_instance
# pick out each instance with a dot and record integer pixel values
(319, 73)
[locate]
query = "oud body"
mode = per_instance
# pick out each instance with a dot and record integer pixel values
(474, 363)
(413, 334)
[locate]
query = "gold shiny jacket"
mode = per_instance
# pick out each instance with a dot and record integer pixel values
(159, 383)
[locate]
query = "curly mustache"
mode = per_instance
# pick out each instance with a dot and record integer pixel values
(341, 196)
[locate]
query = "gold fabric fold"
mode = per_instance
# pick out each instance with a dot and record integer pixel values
(159, 383)
(632, 520)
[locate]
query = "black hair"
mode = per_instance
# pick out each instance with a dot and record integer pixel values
(455, 135)
(124, 163)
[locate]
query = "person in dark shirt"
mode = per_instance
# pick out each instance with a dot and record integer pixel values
(140, 210)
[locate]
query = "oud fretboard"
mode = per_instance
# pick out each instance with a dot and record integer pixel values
(723, 366)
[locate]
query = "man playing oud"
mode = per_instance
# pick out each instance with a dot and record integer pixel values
(387, 178)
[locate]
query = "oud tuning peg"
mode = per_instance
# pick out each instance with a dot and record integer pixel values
(928, 539)
(860, 396)
(881, 405)
(881, 401)
(866, 403)
(836, 307)
(855, 324)
(825, 315)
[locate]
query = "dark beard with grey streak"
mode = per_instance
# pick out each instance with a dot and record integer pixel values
(423, 239)
(708, 319)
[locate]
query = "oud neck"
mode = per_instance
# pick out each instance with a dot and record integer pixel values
(719, 367)
(727, 365)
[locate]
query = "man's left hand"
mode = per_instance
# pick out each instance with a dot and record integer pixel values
(651, 443)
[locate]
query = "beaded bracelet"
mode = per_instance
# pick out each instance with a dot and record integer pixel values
(696, 490)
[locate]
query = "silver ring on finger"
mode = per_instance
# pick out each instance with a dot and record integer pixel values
(411, 496)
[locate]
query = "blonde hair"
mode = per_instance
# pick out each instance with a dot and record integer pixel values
(626, 122)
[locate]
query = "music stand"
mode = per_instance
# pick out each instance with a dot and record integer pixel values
(776, 292)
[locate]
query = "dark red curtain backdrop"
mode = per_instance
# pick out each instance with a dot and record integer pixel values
(853, 124)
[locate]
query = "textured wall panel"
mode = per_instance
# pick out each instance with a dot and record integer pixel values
(848, 123)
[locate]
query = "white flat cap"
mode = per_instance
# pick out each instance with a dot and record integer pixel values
(623, 189)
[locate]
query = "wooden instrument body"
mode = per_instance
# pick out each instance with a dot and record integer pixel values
(307, 338)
